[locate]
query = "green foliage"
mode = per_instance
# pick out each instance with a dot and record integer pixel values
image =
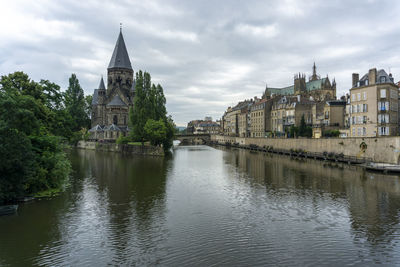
(123, 140)
(156, 131)
(293, 131)
(148, 119)
(331, 133)
(31, 156)
(76, 105)
(304, 130)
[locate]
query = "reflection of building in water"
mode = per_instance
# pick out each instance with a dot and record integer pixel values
(373, 199)
(135, 192)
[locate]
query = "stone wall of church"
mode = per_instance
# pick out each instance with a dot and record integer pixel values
(121, 78)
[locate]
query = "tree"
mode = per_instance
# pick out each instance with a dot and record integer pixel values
(156, 131)
(31, 156)
(150, 105)
(138, 116)
(88, 108)
(304, 130)
(75, 104)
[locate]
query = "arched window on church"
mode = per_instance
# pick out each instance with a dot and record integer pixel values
(115, 119)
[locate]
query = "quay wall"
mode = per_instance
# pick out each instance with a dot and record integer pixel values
(125, 148)
(382, 149)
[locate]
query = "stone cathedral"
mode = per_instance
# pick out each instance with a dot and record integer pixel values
(111, 104)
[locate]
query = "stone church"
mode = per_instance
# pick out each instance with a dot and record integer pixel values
(111, 104)
(320, 89)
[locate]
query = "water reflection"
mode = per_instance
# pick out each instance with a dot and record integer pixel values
(371, 200)
(208, 206)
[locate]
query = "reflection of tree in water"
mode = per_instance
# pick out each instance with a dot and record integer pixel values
(373, 199)
(135, 188)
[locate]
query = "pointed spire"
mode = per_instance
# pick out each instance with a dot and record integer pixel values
(120, 57)
(314, 70)
(101, 85)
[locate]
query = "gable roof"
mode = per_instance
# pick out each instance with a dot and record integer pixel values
(112, 127)
(116, 101)
(95, 98)
(120, 57)
(96, 128)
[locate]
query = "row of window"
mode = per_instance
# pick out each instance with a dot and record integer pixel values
(358, 120)
(362, 131)
(383, 118)
(357, 96)
(382, 93)
(358, 108)
(383, 106)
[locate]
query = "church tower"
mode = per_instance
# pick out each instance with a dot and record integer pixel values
(119, 71)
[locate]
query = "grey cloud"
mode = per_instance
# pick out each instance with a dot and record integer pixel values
(206, 54)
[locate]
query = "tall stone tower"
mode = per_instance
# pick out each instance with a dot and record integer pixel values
(299, 84)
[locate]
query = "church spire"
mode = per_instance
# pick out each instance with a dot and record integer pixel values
(101, 85)
(314, 70)
(120, 57)
(314, 76)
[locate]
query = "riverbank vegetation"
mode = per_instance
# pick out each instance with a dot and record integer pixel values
(36, 121)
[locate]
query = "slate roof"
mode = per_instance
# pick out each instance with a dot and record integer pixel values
(120, 57)
(95, 99)
(380, 73)
(96, 128)
(116, 101)
(101, 85)
(336, 103)
(112, 127)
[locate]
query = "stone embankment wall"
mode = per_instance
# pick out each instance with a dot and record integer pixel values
(130, 149)
(382, 149)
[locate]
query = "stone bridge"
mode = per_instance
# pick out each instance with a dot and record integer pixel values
(193, 139)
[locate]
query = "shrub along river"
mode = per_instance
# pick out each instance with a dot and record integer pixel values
(208, 206)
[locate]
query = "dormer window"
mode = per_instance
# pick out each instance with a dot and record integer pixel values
(366, 82)
(382, 79)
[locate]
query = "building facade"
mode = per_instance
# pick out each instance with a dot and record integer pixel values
(374, 105)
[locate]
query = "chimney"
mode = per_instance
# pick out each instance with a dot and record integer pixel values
(355, 79)
(372, 76)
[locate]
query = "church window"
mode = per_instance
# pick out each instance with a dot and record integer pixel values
(124, 119)
(115, 119)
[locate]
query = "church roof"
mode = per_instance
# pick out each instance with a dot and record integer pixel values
(112, 127)
(96, 128)
(289, 90)
(101, 85)
(120, 57)
(95, 98)
(116, 101)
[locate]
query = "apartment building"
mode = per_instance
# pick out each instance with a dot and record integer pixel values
(233, 118)
(258, 115)
(374, 105)
(288, 111)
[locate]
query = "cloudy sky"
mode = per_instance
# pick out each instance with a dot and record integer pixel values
(208, 55)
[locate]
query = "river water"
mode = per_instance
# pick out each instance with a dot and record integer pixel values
(208, 206)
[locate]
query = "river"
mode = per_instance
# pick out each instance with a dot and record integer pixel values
(208, 206)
